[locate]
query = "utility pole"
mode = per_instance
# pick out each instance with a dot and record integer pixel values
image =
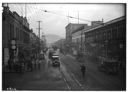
(68, 17)
(78, 17)
(39, 33)
(26, 11)
(21, 10)
(81, 40)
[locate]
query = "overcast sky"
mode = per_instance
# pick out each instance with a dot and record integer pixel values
(54, 21)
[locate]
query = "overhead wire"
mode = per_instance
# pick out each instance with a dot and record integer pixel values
(46, 11)
(66, 16)
(51, 12)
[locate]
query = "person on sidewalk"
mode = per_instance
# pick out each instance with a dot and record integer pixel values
(35, 62)
(10, 64)
(39, 63)
(83, 70)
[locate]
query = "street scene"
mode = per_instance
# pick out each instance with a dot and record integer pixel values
(63, 47)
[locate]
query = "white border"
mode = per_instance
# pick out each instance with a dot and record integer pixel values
(54, 1)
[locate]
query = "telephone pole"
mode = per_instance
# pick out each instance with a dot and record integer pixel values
(39, 33)
(26, 11)
(78, 17)
(68, 17)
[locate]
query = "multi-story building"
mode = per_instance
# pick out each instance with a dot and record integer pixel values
(78, 37)
(108, 40)
(60, 44)
(14, 27)
(70, 29)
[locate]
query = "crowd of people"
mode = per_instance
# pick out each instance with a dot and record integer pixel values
(25, 62)
(30, 61)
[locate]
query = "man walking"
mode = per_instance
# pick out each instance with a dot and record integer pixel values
(83, 70)
(39, 63)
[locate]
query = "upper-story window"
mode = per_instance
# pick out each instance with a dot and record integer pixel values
(114, 33)
(109, 34)
(11, 31)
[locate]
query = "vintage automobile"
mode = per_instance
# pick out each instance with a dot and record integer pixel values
(109, 66)
(55, 61)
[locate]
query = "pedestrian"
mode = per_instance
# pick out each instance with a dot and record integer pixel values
(39, 62)
(21, 62)
(9, 64)
(35, 63)
(83, 70)
(30, 65)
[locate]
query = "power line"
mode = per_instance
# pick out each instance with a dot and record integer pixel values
(26, 11)
(46, 11)
(66, 16)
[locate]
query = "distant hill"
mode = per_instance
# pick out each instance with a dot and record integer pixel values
(51, 38)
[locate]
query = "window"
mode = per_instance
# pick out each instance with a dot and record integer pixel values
(122, 31)
(11, 31)
(109, 34)
(20, 35)
(104, 35)
(114, 33)
(17, 33)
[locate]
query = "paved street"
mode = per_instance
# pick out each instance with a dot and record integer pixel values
(44, 47)
(67, 77)
(47, 78)
(94, 79)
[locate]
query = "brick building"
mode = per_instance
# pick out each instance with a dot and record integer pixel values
(108, 40)
(14, 27)
(78, 37)
(70, 29)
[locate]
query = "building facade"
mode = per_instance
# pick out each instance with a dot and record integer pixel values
(14, 27)
(78, 37)
(107, 40)
(70, 29)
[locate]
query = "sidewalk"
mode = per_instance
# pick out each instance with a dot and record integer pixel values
(16, 79)
(96, 80)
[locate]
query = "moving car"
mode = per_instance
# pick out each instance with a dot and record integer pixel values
(55, 61)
